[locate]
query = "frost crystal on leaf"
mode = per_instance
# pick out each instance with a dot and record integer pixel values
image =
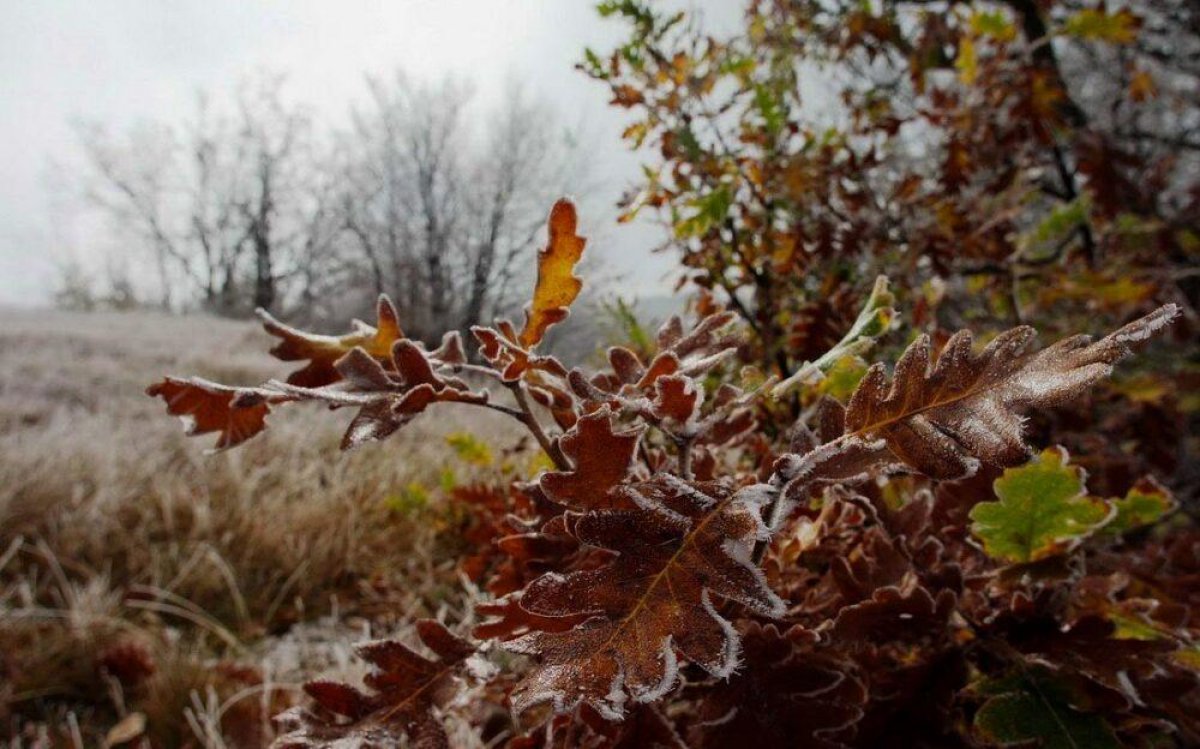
(655, 599)
(942, 417)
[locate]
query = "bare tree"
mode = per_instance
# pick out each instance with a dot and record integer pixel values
(427, 195)
(220, 203)
(441, 199)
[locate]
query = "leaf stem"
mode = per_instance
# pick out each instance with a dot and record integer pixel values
(526, 416)
(769, 512)
(685, 458)
(516, 414)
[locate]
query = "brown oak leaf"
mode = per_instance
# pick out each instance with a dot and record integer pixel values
(387, 397)
(235, 414)
(502, 349)
(322, 351)
(788, 695)
(602, 458)
(943, 418)
(685, 546)
(388, 394)
(900, 612)
(403, 689)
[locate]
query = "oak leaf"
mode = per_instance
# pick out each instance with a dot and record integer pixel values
(601, 458)
(667, 391)
(206, 407)
(404, 688)
(1043, 510)
(322, 351)
(896, 613)
(685, 546)
(678, 400)
(1091, 648)
(557, 285)
(942, 418)
(788, 695)
(1034, 708)
(387, 393)
(387, 397)
(1144, 504)
(501, 347)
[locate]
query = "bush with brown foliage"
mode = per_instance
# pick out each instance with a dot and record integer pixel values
(894, 565)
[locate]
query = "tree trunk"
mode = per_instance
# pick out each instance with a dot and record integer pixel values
(264, 276)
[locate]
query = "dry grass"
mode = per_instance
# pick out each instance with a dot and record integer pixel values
(139, 575)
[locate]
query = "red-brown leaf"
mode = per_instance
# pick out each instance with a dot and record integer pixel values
(208, 407)
(601, 457)
(322, 351)
(685, 546)
(944, 418)
(786, 695)
(403, 687)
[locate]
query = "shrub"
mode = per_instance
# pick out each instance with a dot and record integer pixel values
(892, 568)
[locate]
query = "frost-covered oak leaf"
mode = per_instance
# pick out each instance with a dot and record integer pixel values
(677, 399)
(684, 548)
(501, 347)
(396, 710)
(942, 418)
(388, 394)
(601, 458)
(1043, 510)
(322, 351)
(234, 414)
(557, 285)
(387, 397)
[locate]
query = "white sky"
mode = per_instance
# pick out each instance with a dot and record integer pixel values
(119, 62)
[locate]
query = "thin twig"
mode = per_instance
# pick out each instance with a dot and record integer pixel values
(549, 446)
(644, 454)
(685, 458)
(518, 415)
(770, 514)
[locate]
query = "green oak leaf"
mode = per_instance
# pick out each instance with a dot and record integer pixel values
(1145, 504)
(874, 320)
(1032, 709)
(843, 377)
(1043, 510)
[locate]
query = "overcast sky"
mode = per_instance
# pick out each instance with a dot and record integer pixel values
(119, 62)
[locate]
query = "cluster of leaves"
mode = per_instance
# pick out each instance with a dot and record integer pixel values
(684, 575)
(1000, 161)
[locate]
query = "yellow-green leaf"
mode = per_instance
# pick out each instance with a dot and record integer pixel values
(873, 321)
(411, 500)
(1097, 25)
(967, 61)
(1043, 510)
(470, 448)
(843, 377)
(995, 24)
(708, 211)
(1145, 504)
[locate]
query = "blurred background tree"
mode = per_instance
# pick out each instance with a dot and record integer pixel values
(254, 203)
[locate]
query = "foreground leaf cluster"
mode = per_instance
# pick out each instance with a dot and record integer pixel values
(690, 572)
